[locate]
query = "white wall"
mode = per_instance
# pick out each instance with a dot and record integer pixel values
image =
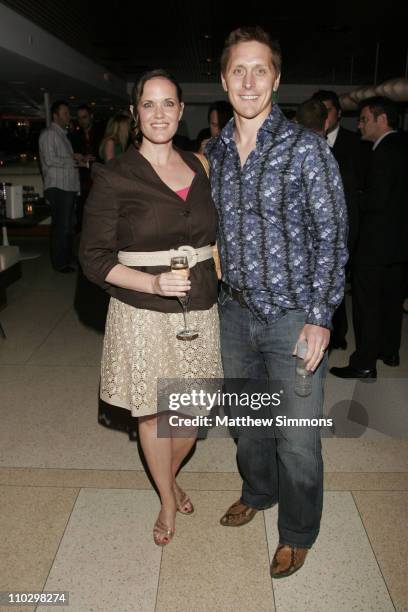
(194, 119)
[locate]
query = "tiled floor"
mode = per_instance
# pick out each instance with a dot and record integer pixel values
(77, 510)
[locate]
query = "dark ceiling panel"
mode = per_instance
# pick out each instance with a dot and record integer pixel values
(330, 43)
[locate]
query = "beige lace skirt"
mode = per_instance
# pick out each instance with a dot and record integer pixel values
(140, 347)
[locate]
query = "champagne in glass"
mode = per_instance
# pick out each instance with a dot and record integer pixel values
(179, 265)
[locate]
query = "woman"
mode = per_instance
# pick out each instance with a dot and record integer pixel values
(153, 199)
(116, 137)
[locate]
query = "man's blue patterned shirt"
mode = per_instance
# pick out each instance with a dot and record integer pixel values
(282, 220)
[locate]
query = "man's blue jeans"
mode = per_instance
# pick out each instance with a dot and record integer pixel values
(288, 468)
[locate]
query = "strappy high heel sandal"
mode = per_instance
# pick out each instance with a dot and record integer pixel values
(183, 501)
(162, 534)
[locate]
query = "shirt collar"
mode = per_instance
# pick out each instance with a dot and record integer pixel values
(270, 126)
(57, 127)
(227, 133)
(377, 142)
(332, 137)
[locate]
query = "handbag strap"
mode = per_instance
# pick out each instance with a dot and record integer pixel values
(204, 163)
(216, 256)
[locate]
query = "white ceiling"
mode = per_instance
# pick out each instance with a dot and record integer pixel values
(23, 82)
(33, 61)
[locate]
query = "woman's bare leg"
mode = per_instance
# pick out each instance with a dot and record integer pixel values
(181, 446)
(158, 454)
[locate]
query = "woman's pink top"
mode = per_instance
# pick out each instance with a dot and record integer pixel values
(183, 193)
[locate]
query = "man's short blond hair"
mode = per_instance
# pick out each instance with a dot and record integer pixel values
(249, 34)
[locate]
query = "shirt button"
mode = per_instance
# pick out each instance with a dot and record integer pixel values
(185, 213)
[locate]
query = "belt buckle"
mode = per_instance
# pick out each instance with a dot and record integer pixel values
(191, 254)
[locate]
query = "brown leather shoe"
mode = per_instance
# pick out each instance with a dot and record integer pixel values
(238, 514)
(287, 560)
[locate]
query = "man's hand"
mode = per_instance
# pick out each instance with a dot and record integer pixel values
(89, 158)
(317, 339)
(78, 157)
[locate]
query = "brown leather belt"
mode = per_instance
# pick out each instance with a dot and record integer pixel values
(238, 296)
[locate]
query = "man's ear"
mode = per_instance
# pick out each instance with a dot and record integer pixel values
(382, 120)
(223, 82)
(276, 84)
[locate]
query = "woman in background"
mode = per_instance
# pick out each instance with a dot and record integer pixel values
(116, 137)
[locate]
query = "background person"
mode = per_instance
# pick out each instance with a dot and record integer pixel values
(352, 157)
(219, 113)
(116, 138)
(61, 185)
(382, 246)
(313, 115)
(85, 140)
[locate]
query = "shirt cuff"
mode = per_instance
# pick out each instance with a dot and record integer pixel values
(320, 314)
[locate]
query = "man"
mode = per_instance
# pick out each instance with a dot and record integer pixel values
(313, 115)
(61, 184)
(282, 239)
(382, 246)
(350, 154)
(85, 141)
(87, 138)
(219, 113)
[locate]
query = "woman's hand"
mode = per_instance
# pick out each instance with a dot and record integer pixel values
(171, 284)
(168, 284)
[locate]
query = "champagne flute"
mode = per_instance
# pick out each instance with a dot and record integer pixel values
(179, 265)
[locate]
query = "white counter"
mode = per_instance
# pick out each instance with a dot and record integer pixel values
(23, 173)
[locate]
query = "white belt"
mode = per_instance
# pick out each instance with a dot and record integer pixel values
(162, 258)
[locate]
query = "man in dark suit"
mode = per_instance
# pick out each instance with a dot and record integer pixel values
(85, 140)
(382, 246)
(349, 153)
(313, 115)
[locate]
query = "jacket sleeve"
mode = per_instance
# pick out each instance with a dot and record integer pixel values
(329, 228)
(98, 248)
(382, 177)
